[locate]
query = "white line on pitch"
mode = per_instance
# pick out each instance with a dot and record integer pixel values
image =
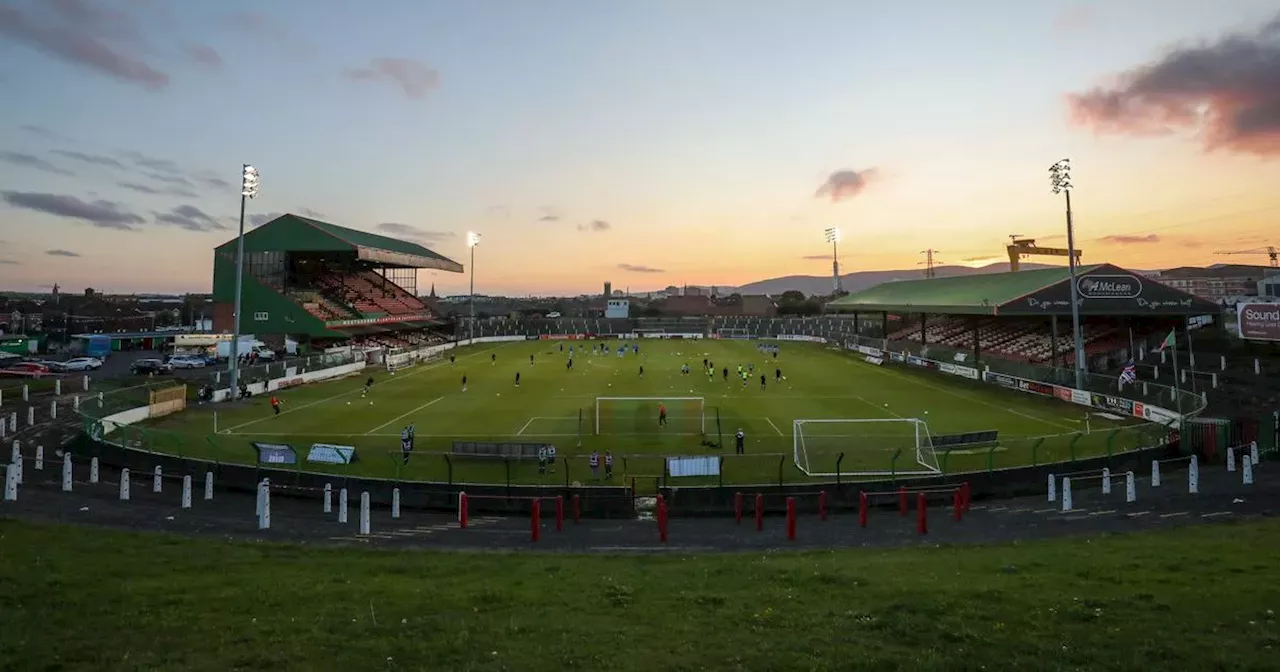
(526, 426)
(399, 417)
(1174, 515)
(775, 427)
(1215, 515)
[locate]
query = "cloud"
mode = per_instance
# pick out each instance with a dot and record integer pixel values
(100, 213)
(77, 33)
(816, 257)
(972, 260)
(1075, 19)
(153, 163)
(549, 215)
(171, 191)
(256, 220)
(190, 218)
(36, 129)
(9, 262)
(596, 225)
(843, 185)
(34, 162)
(94, 159)
(61, 253)
(313, 214)
(411, 232)
(413, 78)
(1127, 239)
(1228, 91)
(204, 54)
(634, 268)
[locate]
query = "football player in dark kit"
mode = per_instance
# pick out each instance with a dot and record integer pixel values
(739, 441)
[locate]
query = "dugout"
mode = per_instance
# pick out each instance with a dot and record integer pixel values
(1025, 315)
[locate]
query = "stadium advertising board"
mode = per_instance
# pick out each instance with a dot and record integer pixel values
(897, 357)
(326, 453)
(874, 360)
(275, 453)
(918, 361)
(1107, 402)
(957, 370)
(1259, 321)
(867, 350)
(693, 466)
(1109, 290)
(562, 337)
(800, 337)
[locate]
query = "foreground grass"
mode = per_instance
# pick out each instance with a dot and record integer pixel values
(1198, 598)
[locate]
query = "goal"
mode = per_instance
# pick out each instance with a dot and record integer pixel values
(734, 333)
(403, 358)
(686, 416)
(870, 447)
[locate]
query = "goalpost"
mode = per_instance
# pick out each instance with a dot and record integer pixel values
(734, 333)
(686, 416)
(403, 358)
(871, 447)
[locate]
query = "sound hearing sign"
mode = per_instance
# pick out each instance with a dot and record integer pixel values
(1259, 321)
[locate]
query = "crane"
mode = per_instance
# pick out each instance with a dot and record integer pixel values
(1269, 250)
(1020, 247)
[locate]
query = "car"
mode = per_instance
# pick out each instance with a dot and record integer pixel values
(149, 367)
(187, 362)
(27, 370)
(81, 364)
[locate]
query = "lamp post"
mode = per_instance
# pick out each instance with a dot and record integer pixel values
(473, 239)
(248, 189)
(1060, 180)
(833, 237)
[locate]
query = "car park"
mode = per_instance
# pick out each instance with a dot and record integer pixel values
(144, 367)
(81, 364)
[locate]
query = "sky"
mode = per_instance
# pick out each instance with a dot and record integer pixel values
(644, 142)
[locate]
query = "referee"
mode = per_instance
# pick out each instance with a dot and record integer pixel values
(739, 440)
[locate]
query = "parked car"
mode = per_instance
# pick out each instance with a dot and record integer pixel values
(144, 367)
(27, 370)
(187, 362)
(81, 364)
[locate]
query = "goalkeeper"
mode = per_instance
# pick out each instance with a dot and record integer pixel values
(662, 415)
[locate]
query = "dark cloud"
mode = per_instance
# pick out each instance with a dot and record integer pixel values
(596, 225)
(843, 185)
(33, 162)
(313, 214)
(218, 182)
(61, 253)
(152, 163)
(816, 257)
(9, 262)
(95, 159)
(190, 218)
(204, 54)
(41, 131)
(1227, 90)
(634, 268)
(1127, 239)
(411, 232)
(170, 191)
(100, 213)
(413, 78)
(81, 34)
(256, 220)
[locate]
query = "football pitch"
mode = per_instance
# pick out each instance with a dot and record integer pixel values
(604, 403)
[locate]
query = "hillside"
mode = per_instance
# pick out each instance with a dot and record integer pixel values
(854, 282)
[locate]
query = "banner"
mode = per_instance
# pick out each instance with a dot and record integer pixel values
(1002, 380)
(562, 337)
(874, 360)
(1081, 397)
(1258, 321)
(800, 337)
(917, 361)
(1107, 402)
(326, 453)
(957, 370)
(275, 453)
(1035, 387)
(1063, 393)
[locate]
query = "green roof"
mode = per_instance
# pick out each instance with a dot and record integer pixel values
(294, 233)
(969, 294)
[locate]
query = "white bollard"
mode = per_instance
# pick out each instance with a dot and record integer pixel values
(1130, 488)
(93, 470)
(1224, 363)
(157, 484)
(26, 394)
(395, 503)
(1, 397)
(1155, 473)
(57, 387)
(75, 403)
(1253, 452)
(1066, 494)
(364, 513)
(1193, 475)
(11, 483)
(1053, 488)
(186, 491)
(1106, 481)
(328, 498)
(1257, 367)
(264, 511)
(342, 505)
(124, 485)
(53, 410)
(39, 458)
(1247, 468)
(99, 400)
(66, 472)
(85, 383)
(13, 421)
(1231, 458)
(208, 486)
(4, 428)
(31, 416)
(262, 500)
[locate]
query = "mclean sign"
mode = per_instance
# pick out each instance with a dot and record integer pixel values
(1110, 287)
(1259, 321)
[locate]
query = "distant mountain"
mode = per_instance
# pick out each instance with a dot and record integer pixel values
(856, 282)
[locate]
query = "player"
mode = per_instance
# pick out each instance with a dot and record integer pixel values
(662, 415)
(635, 348)
(684, 370)
(551, 458)
(777, 375)
(517, 379)
(464, 382)
(706, 364)
(530, 359)
(275, 404)
(542, 460)
(726, 374)
(368, 384)
(406, 444)
(568, 365)
(744, 379)
(594, 461)
(642, 370)
(739, 442)
(452, 360)
(493, 359)
(608, 465)
(562, 347)
(751, 367)
(763, 378)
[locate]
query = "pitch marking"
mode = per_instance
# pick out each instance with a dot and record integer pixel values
(393, 420)
(775, 427)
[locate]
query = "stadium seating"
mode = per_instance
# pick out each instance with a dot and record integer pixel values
(341, 295)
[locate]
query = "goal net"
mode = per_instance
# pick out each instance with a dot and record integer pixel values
(870, 447)
(733, 333)
(403, 358)
(639, 415)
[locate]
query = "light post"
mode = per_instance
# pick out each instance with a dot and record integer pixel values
(248, 189)
(833, 237)
(1060, 180)
(473, 239)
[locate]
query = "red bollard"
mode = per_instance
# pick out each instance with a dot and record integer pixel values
(462, 510)
(922, 514)
(759, 513)
(964, 487)
(737, 506)
(577, 509)
(535, 520)
(559, 513)
(822, 505)
(862, 509)
(662, 519)
(957, 499)
(902, 501)
(791, 518)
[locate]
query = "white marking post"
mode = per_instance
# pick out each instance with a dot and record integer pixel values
(66, 472)
(260, 503)
(1231, 458)
(31, 416)
(157, 483)
(1130, 488)
(13, 421)
(186, 491)
(1155, 473)
(39, 458)
(1106, 481)
(1193, 475)
(1053, 488)
(93, 470)
(208, 486)
(1248, 470)
(53, 410)
(328, 498)
(57, 387)
(1253, 452)
(75, 403)
(26, 393)
(124, 485)
(342, 505)
(11, 483)
(395, 503)
(264, 509)
(85, 383)
(1066, 493)
(364, 512)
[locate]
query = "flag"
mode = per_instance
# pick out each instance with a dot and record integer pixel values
(1129, 374)
(1167, 342)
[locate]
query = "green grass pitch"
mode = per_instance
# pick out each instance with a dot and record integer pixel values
(556, 405)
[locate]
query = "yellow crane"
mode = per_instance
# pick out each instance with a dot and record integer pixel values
(1020, 247)
(1269, 250)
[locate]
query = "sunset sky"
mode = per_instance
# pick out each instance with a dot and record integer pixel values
(646, 142)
